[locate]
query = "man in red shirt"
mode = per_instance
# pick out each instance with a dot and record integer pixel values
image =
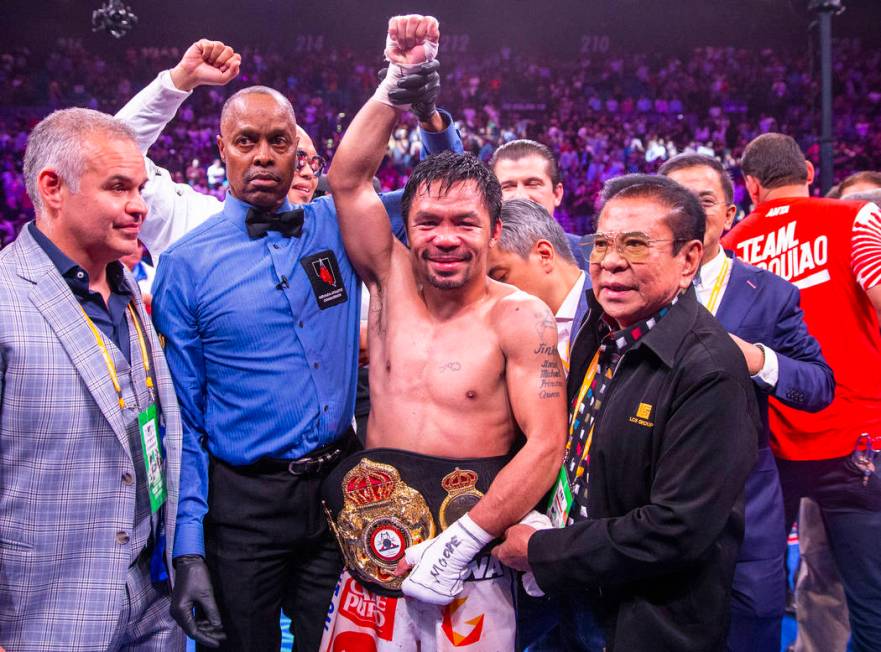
(831, 250)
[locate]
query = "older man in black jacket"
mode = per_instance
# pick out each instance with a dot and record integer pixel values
(663, 432)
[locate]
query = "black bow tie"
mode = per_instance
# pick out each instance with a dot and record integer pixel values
(289, 223)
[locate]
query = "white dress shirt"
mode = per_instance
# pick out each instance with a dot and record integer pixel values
(565, 317)
(703, 285)
(173, 209)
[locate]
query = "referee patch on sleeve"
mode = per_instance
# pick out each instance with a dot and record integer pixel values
(323, 272)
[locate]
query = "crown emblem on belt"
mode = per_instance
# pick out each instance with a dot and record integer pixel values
(462, 495)
(459, 480)
(370, 484)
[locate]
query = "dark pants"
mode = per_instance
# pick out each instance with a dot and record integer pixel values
(852, 516)
(269, 549)
(557, 623)
(758, 596)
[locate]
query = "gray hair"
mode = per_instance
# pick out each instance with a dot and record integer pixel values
(57, 142)
(524, 223)
(284, 102)
(873, 196)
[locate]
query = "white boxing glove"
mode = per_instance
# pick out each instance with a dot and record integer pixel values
(538, 521)
(440, 564)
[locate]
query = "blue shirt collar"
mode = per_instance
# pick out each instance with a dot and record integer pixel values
(235, 210)
(75, 276)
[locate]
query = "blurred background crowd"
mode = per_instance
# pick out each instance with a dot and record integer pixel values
(602, 113)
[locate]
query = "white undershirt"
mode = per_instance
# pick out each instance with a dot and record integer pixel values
(566, 316)
(706, 279)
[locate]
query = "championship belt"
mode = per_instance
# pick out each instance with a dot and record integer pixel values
(381, 501)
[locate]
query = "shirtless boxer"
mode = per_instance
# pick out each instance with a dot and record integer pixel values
(459, 364)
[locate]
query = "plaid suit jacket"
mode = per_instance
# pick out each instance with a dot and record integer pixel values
(63, 451)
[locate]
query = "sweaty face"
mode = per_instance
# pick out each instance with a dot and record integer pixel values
(258, 143)
(104, 217)
(305, 180)
(524, 273)
(630, 292)
(704, 182)
(528, 178)
(449, 235)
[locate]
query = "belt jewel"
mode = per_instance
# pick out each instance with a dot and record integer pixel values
(462, 495)
(381, 517)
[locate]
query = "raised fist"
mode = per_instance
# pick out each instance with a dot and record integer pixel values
(407, 36)
(206, 63)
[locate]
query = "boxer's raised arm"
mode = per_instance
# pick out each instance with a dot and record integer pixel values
(411, 42)
(363, 219)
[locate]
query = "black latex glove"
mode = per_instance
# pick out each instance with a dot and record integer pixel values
(419, 88)
(192, 589)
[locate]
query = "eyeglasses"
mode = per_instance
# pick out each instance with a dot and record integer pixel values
(634, 246)
(315, 162)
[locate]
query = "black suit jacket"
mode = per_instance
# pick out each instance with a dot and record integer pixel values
(672, 447)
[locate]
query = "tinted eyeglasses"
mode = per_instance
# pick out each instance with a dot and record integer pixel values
(634, 246)
(315, 162)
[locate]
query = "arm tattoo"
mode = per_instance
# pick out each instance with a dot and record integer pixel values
(546, 327)
(551, 375)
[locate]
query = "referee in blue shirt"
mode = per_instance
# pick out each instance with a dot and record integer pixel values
(260, 310)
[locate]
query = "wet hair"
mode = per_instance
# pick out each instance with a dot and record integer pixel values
(517, 149)
(447, 169)
(284, 102)
(866, 176)
(683, 161)
(57, 142)
(686, 219)
(524, 223)
(774, 160)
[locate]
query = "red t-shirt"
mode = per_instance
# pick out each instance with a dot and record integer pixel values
(831, 250)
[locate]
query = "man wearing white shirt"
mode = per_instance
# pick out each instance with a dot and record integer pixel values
(761, 312)
(533, 254)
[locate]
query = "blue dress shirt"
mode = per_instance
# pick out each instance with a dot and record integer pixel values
(260, 368)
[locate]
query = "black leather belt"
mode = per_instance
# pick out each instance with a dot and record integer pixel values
(316, 461)
(320, 460)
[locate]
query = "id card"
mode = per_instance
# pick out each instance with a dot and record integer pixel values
(561, 500)
(148, 425)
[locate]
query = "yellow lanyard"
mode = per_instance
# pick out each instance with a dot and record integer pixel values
(108, 359)
(565, 357)
(713, 301)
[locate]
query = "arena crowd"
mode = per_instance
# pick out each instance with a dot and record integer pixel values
(602, 115)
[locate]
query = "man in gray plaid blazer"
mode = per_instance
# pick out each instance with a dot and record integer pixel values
(85, 395)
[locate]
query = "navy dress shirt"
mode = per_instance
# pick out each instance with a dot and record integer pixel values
(110, 317)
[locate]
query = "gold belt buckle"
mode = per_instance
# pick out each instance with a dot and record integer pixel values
(381, 517)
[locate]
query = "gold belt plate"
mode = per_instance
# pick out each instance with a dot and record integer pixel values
(381, 517)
